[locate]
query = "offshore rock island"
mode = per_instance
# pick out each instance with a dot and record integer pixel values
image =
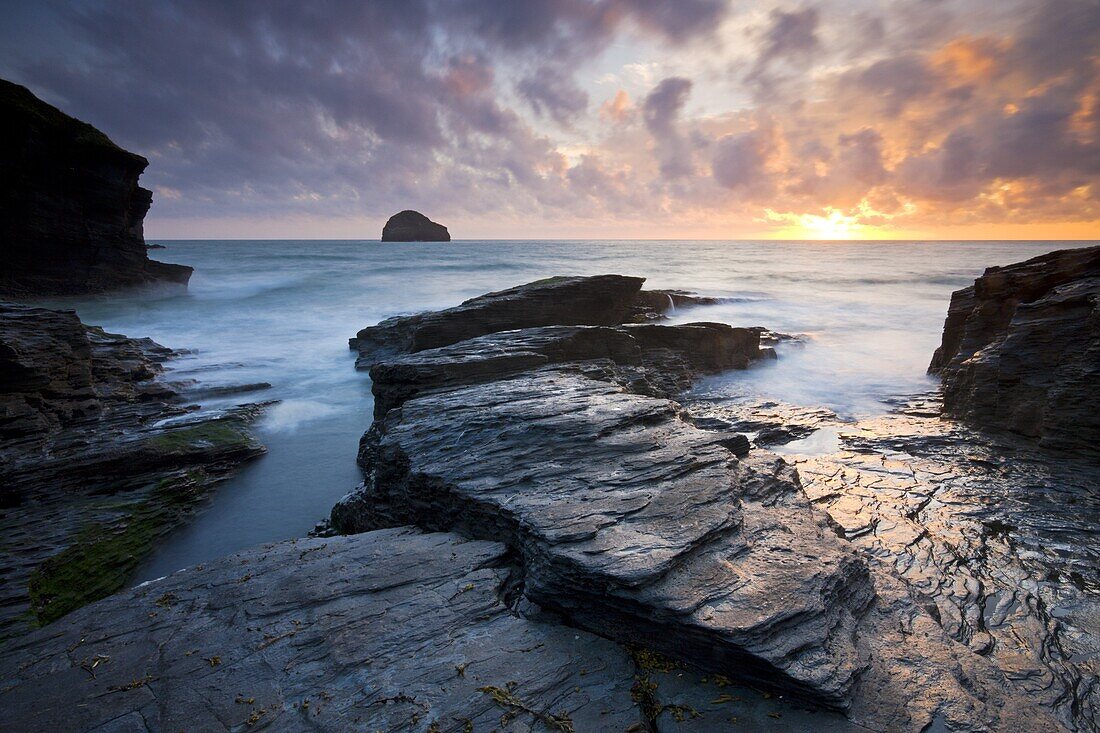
(553, 535)
(412, 226)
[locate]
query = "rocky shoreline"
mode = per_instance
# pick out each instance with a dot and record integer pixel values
(101, 458)
(554, 533)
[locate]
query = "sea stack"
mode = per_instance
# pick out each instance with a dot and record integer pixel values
(412, 226)
(1021, 349)
(71, 209)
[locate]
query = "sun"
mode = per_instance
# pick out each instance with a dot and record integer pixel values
(834, 225)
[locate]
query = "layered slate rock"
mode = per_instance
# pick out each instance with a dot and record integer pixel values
(632, 524)
(1021, 350)
(388, 631)
(602, 300)
(412, 226)
(651, 359)
(71, 209)
(629, 522)
(99, 458)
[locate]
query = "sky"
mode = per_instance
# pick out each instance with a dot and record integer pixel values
(693, 119)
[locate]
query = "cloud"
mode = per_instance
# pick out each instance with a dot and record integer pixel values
(661, 111)
(918, 114)
(743, 163)
(553, 92)
(790, 38)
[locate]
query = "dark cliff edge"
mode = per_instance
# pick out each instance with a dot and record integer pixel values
(71, 209)
(412, 226)
(1021, 350)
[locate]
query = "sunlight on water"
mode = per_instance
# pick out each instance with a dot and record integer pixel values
(281, 312)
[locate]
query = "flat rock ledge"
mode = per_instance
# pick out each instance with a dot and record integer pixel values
(99, 458)
(1021, 350)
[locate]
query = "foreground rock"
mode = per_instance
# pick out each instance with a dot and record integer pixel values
(388, 631)
(412, 226)
(602, 300)
(71, 209)
(99, 459)
(630, 522)
(1021, 350)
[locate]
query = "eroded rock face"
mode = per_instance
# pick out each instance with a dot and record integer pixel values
(412, 226)
(71, 209)
(602, 300)
(1021, 350)
(387, 631)
(99, 458)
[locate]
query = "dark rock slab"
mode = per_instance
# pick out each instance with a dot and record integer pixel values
(412, 226)
(651, 359)
(71, 209)
(631, 523)
(387, 631)
(1021, 350)
(602, 300)
(99, 459)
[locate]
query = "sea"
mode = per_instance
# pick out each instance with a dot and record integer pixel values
(870, 313)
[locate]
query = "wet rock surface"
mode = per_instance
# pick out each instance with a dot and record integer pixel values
(602, 300)
(912, 575)
(100, 458)
(992, 538)
(412, 226)
(393, 631)
(71, 209)
(1021, 350)
(629, 521)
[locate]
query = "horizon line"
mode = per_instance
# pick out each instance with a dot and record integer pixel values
(594, 239)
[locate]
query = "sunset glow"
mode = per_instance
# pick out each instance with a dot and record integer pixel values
(604, 119)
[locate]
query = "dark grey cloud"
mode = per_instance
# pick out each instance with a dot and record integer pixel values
(552, 91)
(661, 111)
(741, 161)
(332, 105)
(790, 38)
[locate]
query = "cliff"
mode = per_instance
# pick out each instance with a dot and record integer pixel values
(71, 209)
(1021, 350)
